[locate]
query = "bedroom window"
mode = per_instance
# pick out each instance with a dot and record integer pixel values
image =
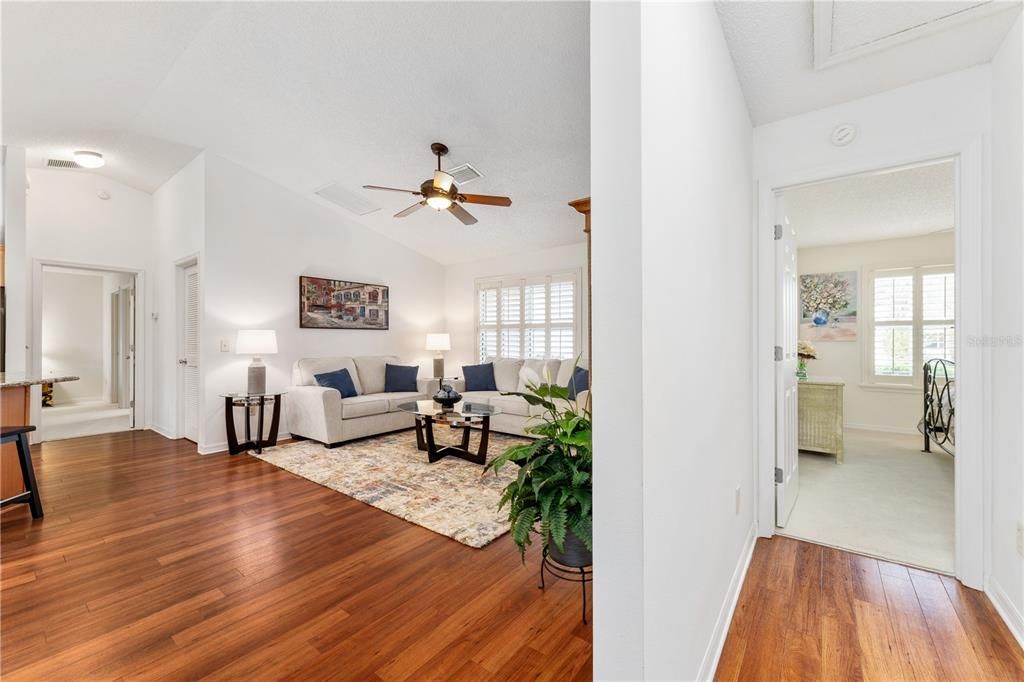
(912, 321)
(528, 317)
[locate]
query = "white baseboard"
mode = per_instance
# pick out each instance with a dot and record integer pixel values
(883, 429)
(1007, 609)
(714, 651)
(166, 433)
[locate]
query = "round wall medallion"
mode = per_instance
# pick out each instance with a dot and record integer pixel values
(844, 134)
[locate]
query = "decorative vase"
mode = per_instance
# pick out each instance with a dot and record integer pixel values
(447, 397)
(575, 554)
(801, 370)
(820, 318)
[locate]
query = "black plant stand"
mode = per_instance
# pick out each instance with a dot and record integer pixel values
(574, 574)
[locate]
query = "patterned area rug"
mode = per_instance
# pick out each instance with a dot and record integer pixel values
(452, 497)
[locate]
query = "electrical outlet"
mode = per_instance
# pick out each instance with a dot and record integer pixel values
(738, 489)
(1020, 538)
(225, 346)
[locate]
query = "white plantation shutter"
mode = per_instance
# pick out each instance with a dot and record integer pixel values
(529, 316)
(913, 312)
(938, 312)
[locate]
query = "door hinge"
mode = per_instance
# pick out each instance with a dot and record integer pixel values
(131, 403)
(778, 353)
(778, 475)
(778, 232)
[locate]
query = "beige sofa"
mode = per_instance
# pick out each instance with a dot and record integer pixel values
(321, 414)
(516, 413)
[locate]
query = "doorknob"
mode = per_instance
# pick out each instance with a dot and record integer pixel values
(183, 361)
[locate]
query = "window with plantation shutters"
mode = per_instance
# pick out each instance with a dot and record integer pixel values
(529, 316)
(912, 321)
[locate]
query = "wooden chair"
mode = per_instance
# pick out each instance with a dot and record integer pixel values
(28, 474)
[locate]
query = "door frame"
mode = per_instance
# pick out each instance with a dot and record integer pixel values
(971, 466)
(141, 335)
(180, 266)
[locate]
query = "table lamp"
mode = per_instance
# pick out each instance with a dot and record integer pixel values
(256, 342)
(439, 343)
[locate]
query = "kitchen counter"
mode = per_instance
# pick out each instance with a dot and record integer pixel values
(16, 410)
(16, 379)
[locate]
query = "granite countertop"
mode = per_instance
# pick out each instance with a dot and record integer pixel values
(15, 379)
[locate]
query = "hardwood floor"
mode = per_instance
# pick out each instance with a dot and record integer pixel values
(155, 562)
(809, 612)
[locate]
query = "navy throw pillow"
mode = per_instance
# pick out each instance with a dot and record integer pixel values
(579, 382)
(479, 377)
(340, 380)
(399, 378)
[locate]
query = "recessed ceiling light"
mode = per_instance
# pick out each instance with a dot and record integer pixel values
(89, 159)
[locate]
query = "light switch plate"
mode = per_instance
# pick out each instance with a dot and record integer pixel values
(225, 346)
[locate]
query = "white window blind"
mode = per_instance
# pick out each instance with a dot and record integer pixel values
(913, 321)
(528, 317)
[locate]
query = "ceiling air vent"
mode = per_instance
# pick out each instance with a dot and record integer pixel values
(347, 199)
(61, 163)
(464, 173)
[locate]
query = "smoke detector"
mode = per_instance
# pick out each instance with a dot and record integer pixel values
(844, 134)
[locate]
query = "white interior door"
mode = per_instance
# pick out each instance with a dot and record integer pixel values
(787, 296)
(188, 362)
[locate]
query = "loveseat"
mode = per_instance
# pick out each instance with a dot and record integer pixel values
(321, 414)
(509, 375)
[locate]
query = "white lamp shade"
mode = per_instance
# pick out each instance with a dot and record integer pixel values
(256, 342)
(439, 342)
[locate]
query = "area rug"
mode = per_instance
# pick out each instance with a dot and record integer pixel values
(452, 497)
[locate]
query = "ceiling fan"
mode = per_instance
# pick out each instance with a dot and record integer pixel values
(441, 193)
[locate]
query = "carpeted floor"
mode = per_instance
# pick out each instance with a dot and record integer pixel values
(452, 497)
(887, 499)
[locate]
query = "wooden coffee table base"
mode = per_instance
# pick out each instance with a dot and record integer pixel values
(425, 441)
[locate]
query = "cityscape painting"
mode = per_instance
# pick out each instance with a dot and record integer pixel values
(338, 304)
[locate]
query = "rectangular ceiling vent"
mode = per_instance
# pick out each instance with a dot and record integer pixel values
(464, 173)
(61, 163)
(347, 199)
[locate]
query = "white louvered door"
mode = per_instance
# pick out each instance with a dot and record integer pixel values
(787, 459)
(189, 361)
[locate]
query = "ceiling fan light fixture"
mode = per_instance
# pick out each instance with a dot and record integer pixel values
(443, 181)
(439, 202)
(87, 159)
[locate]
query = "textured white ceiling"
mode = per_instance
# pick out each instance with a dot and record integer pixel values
(309, 94)
(772, 47)
(900, 203)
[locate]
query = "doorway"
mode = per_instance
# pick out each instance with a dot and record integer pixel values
(87, 329)
(873, 313)
(969, 464)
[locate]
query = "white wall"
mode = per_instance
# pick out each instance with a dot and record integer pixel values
(1006, 582)
(886, 410)
(179, 218)
(460, 301)
(259, 237)
(672, 270)
(67, 222)
(73, 334)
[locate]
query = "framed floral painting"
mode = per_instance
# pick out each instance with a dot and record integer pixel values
(828, 306)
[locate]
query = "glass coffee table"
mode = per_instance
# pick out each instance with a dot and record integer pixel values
(461, 415)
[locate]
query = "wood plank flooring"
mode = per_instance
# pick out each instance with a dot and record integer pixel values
(155, 562)
(809, 612)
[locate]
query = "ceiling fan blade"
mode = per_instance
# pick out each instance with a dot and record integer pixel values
(412, 209)
(393, 189)
(462, 214)
(443, 181)
(485, 199)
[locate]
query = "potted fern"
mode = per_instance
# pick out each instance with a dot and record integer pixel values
(552, 494)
